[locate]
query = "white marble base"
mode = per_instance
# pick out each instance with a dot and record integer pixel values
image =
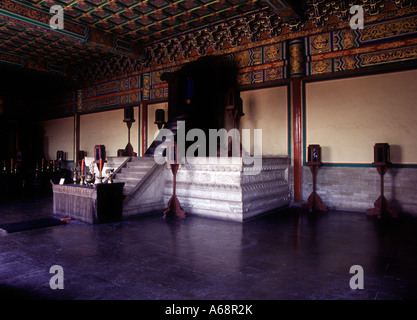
(223, 190)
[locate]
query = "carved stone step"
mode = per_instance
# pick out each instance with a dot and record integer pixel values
(127, 190)
(138, 166)
(130, 175)
(141, 160)
(128, 183)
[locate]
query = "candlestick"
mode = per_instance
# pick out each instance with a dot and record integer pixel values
(100, 177)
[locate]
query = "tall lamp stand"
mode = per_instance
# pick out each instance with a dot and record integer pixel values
(314, 202)
(174, 207)
(382, 206)
(129, 119)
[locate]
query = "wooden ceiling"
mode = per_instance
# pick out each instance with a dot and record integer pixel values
(151, 20)
(95, 29)
(131, 31)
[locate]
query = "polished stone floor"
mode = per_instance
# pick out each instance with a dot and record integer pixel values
(289, 254)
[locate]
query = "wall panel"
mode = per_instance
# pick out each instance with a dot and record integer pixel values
(58, 135)
(107, 128)
(152, 128)
(348, 116)
(267, 109)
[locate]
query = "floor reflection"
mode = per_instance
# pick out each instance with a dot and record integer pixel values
(289, 254)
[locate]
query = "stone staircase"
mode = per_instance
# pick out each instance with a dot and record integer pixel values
(133, 173)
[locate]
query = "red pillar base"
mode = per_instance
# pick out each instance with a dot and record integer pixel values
(174, 209)
(174, 206)
(382, 208)
(315, 203)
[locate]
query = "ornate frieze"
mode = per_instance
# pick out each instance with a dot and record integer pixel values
(108, 68)
(348, 38)
(389, 29)
(233, 33)
(356, 59)
(347, 49)
(387, 56)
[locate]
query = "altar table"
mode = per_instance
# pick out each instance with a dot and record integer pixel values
(100, 203)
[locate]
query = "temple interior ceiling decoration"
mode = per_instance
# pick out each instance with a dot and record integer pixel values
(104, 39)
(96, 29)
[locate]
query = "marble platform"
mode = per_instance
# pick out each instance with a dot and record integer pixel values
(227, 189)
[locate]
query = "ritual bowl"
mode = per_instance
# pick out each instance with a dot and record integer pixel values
(90, 178)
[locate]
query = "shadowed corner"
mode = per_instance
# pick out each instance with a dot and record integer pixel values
(15, 293)
(396, 157)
